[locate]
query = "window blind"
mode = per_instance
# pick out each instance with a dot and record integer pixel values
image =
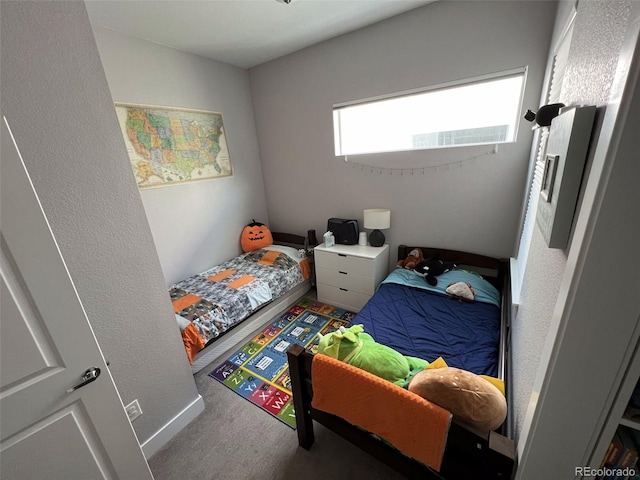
(553, 95)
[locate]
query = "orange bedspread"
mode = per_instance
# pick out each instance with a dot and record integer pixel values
(410, 423)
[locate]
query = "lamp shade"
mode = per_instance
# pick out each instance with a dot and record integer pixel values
(377, 218)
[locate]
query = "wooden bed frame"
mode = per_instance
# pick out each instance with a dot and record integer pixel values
(468, 454)
(307, 242)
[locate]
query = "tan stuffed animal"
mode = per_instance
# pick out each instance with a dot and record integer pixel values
(461, 291)
(415, 257)
(469, 397)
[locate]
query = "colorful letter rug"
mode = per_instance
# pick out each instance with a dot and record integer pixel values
(259, 370)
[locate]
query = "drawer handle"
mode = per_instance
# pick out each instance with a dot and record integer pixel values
(343, 273)
(342, 254)
(344, 289)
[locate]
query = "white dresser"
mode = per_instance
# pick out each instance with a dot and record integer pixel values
(348, 275)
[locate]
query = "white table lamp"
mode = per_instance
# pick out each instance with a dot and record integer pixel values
(377, 219)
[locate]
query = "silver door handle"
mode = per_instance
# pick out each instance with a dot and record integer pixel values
(87, 377)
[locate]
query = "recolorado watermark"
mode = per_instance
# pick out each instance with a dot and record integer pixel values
(605, 472)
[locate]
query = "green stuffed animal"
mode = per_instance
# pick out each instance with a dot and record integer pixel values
(355, 347)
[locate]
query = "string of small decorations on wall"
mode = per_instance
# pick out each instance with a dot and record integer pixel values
(442, 167)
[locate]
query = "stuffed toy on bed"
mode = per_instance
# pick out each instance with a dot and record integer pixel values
(477, 400)
(355, 347)
(430, 268)
(254, 236)
(415, 257)
(463, 291)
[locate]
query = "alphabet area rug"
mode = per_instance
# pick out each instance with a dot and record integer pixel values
(258, 370)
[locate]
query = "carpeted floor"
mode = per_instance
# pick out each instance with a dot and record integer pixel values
(234, 440)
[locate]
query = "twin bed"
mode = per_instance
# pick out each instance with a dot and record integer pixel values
(422, 321)
(217, 308)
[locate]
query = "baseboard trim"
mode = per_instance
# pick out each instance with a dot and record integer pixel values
(177, 423)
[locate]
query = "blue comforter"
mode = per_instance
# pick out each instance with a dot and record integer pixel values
(418, 320)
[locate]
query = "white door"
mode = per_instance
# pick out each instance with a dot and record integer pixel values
(48, 430)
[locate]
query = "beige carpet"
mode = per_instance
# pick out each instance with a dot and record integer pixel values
(235, 440)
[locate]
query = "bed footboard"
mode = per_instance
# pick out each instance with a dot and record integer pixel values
(468, 455)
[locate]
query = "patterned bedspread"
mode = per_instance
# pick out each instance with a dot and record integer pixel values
(219, 298)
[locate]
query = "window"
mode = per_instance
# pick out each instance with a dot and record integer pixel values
(470, 112)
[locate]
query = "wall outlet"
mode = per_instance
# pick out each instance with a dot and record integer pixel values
(133, 410)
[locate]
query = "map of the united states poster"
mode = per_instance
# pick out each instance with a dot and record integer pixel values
(168, 145)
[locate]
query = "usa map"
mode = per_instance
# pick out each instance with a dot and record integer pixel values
(169, 145)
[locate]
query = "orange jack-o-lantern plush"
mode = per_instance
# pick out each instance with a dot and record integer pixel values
(254, 236)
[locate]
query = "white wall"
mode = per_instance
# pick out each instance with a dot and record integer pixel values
(194, 225)
(473, 206)
(57, 101)
(594, 54)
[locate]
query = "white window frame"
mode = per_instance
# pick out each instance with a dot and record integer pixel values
(516, 72)
(553, 88)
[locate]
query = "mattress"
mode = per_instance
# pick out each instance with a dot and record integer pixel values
(422, 321)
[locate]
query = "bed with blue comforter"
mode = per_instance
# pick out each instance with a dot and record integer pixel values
(423, 321)
(418, 320)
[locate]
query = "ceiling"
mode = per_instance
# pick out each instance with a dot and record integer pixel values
(244, 33)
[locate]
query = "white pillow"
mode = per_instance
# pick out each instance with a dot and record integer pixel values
(289, 251)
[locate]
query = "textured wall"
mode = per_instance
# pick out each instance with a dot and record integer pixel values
(593, 57)
(595, 49)
(473, 205)
(194, 225)
(57, 101)
(544, 270)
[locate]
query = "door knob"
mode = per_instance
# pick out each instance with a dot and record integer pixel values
(87, 377)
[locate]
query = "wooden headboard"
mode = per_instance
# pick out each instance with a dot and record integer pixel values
(297, 241)
(494, 269)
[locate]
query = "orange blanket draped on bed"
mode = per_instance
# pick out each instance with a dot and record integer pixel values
(410, 423)
(192, 340)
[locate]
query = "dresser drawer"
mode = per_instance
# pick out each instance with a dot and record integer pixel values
(348, 299)
(348, 281)
(351, 264)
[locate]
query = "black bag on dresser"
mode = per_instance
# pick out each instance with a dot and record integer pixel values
(345, 231)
